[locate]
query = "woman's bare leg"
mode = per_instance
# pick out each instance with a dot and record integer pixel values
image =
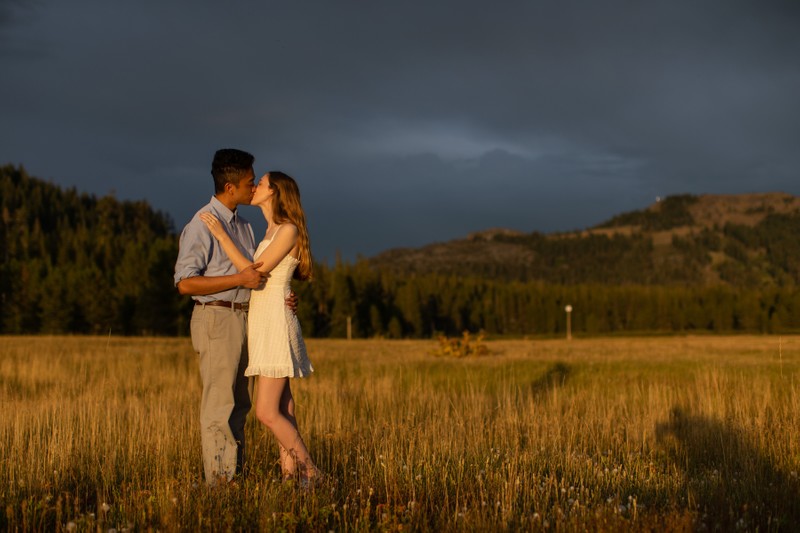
(288, 465)
(269, 412)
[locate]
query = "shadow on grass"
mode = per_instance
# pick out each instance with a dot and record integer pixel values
(555, 376)
(730, 480)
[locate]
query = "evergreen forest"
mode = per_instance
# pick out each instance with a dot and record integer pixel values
(75, 263)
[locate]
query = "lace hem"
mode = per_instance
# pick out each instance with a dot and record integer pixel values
(279, 371)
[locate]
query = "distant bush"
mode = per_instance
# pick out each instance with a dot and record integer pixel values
(463, 346)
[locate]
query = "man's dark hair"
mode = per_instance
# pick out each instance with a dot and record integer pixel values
(230, 166)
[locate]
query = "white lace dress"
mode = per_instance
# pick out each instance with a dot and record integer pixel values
(275, 342)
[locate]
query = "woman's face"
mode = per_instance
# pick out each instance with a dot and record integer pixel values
(263, 191)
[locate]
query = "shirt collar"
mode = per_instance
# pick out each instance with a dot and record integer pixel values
(224, 213)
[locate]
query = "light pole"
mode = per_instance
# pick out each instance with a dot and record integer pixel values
(568, 309)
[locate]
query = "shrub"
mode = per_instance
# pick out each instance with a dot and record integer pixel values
(463, 346)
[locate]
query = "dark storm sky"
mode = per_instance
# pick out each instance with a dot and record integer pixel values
(408, 122)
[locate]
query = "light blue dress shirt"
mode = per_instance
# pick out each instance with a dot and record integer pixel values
(201, 255)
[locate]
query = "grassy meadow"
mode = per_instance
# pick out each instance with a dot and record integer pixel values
(669, 433)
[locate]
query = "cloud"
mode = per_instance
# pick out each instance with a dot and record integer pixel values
(15, 15)
(407, 122)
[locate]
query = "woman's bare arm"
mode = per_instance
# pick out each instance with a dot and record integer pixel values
(282, 243)
(218, 230)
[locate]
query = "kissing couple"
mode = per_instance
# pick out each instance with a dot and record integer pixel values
(243, 323)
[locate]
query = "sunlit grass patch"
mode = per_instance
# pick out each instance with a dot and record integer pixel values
(612, 434)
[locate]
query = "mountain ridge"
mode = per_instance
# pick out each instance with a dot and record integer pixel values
(701, 240)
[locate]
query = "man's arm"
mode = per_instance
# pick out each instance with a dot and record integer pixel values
(249, 278)
(193, 258)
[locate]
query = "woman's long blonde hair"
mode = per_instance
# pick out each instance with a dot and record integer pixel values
(286, 206)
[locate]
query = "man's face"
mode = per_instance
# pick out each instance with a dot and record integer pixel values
(243, 192)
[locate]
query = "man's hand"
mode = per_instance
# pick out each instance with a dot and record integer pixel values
(252, 278)
(291, 302)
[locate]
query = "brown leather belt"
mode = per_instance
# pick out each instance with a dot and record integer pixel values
(222, 303)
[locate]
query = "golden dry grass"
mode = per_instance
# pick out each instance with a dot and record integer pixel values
(680, 433)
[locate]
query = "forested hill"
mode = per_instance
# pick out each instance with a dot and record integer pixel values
(750, 240)
(76, 263)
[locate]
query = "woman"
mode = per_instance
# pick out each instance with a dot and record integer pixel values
(275, 342)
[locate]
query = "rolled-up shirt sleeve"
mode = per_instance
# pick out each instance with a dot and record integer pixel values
(194, 253)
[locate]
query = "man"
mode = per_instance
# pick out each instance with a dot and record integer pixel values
(219, 318)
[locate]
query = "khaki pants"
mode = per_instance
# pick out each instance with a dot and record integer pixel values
(219, 336)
